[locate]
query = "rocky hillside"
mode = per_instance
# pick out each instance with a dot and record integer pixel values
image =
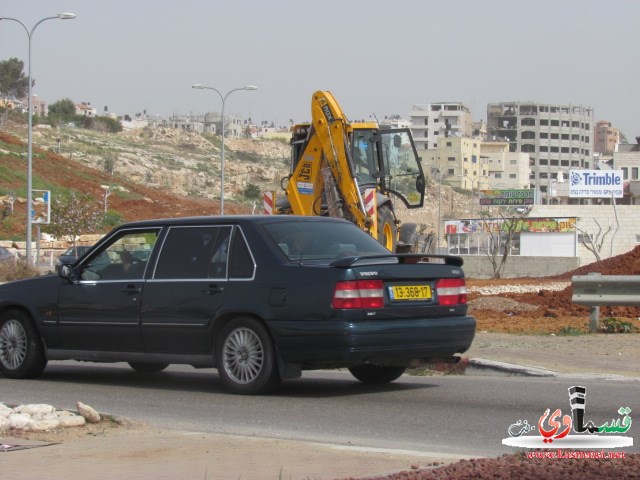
(169, 172)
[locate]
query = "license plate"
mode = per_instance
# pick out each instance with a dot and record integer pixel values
(410, 292)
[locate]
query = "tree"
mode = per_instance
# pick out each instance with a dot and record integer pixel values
(61, 108)
(13, 82)
(252, 191)
(74, 215)
(594, 243)
(502, 237)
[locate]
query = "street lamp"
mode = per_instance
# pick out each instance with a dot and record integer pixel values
(224, 99)
(61, 16)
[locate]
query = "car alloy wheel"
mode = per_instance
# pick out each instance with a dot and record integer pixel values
(246, 357)
(243, 355)
(13, 345)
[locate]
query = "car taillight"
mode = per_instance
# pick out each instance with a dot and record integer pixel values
(358, 294)
(451, 291)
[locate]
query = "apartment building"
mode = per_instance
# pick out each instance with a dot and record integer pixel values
(505, 169)
(457, 162)
(605, 138)
(557, 138)
(434, 121)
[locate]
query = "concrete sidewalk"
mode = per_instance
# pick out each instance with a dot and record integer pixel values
(603, 355)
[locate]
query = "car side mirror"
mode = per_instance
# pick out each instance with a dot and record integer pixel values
(67, 272)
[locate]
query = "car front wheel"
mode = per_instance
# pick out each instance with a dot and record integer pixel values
(373, 374)
(21, 351)
(246, 358)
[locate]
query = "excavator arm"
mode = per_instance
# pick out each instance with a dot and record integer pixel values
(323, 171)
(334, 162)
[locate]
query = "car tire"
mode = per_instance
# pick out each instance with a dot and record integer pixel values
(375, 374)
(387, 228)
(246, 357)
(21, 350)
(148, 367)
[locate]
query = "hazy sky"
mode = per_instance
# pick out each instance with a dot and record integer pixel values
(376, 56)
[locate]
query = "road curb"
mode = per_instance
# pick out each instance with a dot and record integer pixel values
(480, 366)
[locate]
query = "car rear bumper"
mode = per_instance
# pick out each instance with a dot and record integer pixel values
(344, 343)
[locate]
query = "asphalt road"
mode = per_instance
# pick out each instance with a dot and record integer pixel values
(466, 415)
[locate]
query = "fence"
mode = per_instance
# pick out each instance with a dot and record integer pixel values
(595, 290)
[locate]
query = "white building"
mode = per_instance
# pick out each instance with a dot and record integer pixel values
(434, 121)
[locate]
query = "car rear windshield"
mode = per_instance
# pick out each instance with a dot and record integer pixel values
(322, 240)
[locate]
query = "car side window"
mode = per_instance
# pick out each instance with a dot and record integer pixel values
(124, 258)
(190, 253)
(241, 263)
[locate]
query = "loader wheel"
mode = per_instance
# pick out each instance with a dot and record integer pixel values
(387, 228)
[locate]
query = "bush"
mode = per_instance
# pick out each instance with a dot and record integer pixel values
(10, 271)
(613, 325)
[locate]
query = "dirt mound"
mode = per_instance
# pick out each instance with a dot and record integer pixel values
(554, 310)
(624, 264)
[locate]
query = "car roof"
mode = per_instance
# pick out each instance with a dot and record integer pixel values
(227, 219)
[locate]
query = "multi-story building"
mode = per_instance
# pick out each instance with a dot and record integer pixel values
(557, 138)
(505, 169)
(457, 161)
(605, 138)
(434, 121)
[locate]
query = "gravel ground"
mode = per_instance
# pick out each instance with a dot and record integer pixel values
(521, 467)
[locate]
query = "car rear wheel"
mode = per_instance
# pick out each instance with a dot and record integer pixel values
(148, 367)
(21, 351)
(373, 374)
(246, 357)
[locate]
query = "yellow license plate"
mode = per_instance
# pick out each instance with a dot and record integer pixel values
(410, 292)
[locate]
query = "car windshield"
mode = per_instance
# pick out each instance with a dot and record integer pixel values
(300, 240)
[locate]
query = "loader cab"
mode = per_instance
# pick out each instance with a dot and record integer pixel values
(388, 158)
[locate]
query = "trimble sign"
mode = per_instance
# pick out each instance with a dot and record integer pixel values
(595, 183)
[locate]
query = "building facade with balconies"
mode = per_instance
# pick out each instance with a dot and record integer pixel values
(557, 138)
(434, 121)
(605, 138)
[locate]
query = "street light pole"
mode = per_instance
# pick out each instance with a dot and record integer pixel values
(223, 98)
(61, 16)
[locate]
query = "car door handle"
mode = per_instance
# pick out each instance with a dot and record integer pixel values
(131, 290)
(212, 290)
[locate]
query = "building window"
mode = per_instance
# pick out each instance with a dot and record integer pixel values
(435, 145)
(451, 171)
(512, 175)
(554, 162)
(544, 135)
(451, 159)
(555, 123)
(544, 161)
(564, 163)
(544, 123)
(634, 173)
(555, 136)
(513, 162)
(498, 175)
(448, 144)
(554, 149)
(544, 148)
(575, 137)
(625, 173)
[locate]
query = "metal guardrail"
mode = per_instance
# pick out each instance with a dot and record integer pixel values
(595, 290)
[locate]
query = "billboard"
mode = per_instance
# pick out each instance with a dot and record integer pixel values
(595, 183)
(508, 198)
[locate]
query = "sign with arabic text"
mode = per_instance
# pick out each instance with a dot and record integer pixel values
(508, 198)
(533, 225)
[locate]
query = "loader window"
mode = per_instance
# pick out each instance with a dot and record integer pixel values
(403, 172)
(363, 157)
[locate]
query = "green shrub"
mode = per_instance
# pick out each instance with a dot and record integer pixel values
(614, 325)
(571, 331)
